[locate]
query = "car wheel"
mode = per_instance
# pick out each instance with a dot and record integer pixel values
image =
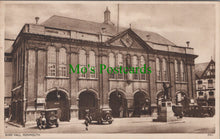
(57, 125)
(110, 122)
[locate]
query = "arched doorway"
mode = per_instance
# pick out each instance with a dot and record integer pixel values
(59, 99)
(87, 101)
(141, 104)
(118, 104)
(182, 99)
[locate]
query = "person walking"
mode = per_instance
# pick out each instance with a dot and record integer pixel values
(87, 121)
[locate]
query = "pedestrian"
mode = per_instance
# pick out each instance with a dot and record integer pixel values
(87, 121)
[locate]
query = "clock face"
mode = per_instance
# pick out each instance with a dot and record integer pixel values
(127, 40)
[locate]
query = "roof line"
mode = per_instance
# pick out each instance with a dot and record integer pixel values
(73, 19)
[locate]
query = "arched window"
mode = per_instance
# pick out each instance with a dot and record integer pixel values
(120, 63)
(134, 65)
(177, 71)
(142, 62)
(164, 68)
(51, 61)
(62, 62)
(158, 69)
(182, 69)
(111, 64)
(82, 62)
(92, 63)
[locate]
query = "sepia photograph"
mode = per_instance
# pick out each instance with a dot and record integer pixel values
(110, 68)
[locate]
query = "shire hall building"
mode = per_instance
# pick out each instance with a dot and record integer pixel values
(42, 53)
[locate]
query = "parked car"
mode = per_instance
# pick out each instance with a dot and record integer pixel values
(100, 115)
(199, 111)
(48, 118)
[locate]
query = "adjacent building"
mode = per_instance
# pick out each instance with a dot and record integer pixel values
(205, 83)
(8, 76)
(42, 53)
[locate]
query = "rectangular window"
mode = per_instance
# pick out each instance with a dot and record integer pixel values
(182, 76)
(62, 70)
(199, 84)
(211, 93)
(82, 72)
(210, 83)
(143, 76)
(165, 76)
(112, 76)
(177, 76)
(158, 75)
(200, 93)
(135, 75)
(51, 69)
(120, 76)
(92, 75)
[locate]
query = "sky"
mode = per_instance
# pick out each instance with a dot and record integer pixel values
(176, 22)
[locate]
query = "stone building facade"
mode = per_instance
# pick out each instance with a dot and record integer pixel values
(42, 54)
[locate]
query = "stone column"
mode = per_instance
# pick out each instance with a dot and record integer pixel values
(171, 72)
(73, 82)
(152, 79)
(103, 78)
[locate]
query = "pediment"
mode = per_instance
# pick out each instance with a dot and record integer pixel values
(128, 39)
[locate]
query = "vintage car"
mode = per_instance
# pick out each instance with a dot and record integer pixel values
(100, 115)
(199, 111)
(48, 118)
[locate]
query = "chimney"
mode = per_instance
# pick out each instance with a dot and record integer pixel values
(36, 19)
(187, 43)
(107, 16)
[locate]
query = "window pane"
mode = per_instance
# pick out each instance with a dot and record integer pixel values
(135, 64)
(82, 62)
(120, 60)
(142, 62)
(82, 57)
(165, 78)
(200, 93)
(182, 71)
(210, 83)
(92, 58)
(177, 70)
(120, 63)
(111, 64)
(51, 55)
(92, 63)
(51, 61)
(158, 69)
(51, 69)
(62, 70)
(211, 93)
